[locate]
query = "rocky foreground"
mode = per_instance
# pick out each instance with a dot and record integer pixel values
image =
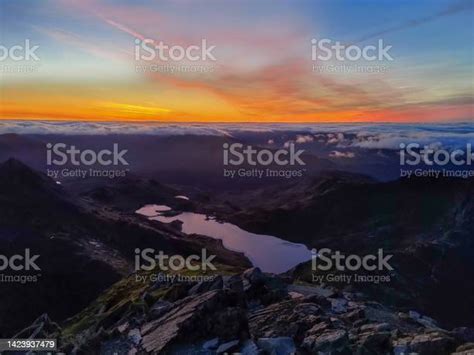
(248, 313)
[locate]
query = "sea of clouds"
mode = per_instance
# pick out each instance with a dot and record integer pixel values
(363, 136)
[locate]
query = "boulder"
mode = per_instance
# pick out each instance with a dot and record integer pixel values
(465, 349)
(331, 341)
(433, 343)
(234, 283)
(354, 315)
(428, 322)
(318, 329)
(375, 327)
(374, 342)
(254, 276)
(307, 309)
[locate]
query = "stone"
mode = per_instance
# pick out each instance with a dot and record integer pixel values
(338, 305)
(465, 349)
(211, 344)
(134, 336)
(331, 341)
(318, 329)
(377, 327)
(277, 346)
(375, 342)
(354, 315)
(295, 295)
(432, 344)
(401, 346)
(254, 276)
(228, 347)
(428, 322)
(159, 308)
(307, 309)
(123, 327)
(249, 348)
(234, 283)
(414, 315)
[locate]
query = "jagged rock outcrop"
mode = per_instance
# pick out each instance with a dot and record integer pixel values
(213, 313)
(243, 319)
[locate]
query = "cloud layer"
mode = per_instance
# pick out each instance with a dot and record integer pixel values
(333, 136)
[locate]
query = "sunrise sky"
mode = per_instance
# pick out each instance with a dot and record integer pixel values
(263, 70)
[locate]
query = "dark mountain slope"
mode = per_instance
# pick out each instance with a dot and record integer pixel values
(83, 247)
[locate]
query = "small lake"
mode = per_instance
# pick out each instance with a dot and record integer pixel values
(269, 253)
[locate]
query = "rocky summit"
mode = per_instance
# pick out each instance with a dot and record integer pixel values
(247, 313)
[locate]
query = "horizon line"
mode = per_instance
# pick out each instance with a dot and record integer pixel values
(53, 120)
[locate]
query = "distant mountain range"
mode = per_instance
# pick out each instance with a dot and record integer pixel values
(85, 232)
